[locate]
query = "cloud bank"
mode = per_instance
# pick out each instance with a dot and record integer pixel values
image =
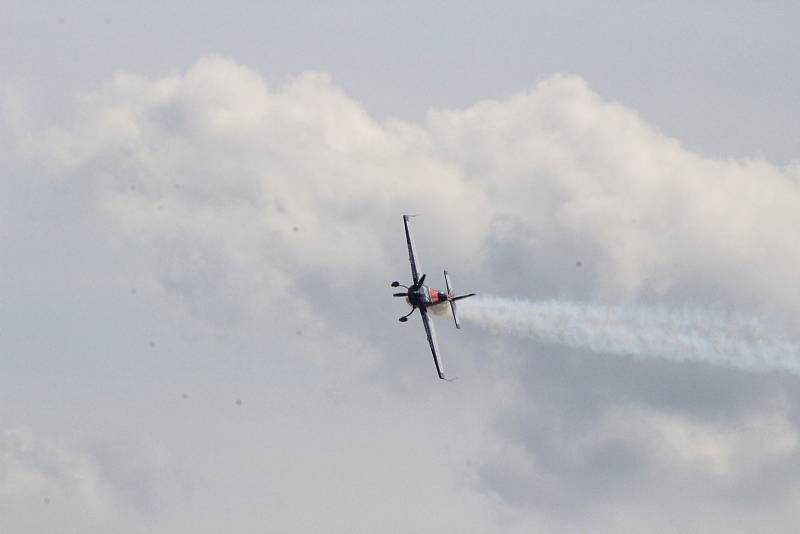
(257, 226)
(539, 175)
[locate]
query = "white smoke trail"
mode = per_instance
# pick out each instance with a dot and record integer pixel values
(645, 332)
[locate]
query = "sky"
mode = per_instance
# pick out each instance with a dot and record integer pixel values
(201, 215)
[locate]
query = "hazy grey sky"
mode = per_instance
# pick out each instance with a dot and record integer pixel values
(200, 210)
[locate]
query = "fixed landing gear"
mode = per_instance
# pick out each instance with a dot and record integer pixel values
(404, 318)
(407, 295)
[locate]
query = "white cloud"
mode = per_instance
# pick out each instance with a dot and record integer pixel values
(216, 153)
(253, 210)
(42, 478)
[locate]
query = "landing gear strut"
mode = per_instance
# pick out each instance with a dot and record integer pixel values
(405, 317)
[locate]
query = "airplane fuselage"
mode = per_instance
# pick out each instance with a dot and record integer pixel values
(426, 296)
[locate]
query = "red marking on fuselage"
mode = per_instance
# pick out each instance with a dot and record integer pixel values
(436, 296)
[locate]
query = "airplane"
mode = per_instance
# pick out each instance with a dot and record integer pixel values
(423, 298)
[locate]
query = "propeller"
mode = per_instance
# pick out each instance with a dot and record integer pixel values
(411, 288)
(418, 285)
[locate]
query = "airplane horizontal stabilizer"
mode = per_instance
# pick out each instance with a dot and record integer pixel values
(451, 298)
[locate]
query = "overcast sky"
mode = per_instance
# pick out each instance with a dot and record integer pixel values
(201, 213)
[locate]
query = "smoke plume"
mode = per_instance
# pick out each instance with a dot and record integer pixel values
(687, 334)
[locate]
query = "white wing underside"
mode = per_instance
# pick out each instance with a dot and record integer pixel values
(430, 331)
(412, 255)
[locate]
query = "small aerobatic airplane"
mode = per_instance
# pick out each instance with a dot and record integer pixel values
(424, 298)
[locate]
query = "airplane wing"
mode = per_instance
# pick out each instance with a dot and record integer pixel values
(429, 330)
(412, 256)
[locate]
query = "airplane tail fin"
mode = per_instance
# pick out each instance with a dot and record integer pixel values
(452, 298)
